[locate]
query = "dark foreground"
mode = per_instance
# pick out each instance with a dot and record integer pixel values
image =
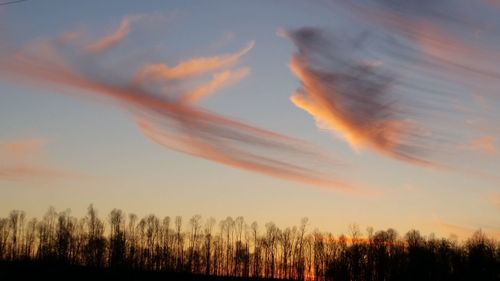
(53, 271)
(60, 246)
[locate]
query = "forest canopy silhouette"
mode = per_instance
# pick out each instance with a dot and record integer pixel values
(233, 249)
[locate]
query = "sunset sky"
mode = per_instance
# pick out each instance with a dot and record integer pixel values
(374, 113)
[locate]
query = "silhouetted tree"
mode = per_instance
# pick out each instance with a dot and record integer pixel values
(116, 238)
(482, 263)
(179, 239)
(240, 250)
(95, 244)
(209, 225)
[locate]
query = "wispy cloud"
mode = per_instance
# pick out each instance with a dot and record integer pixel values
(112, 39)
(219, 80)
(163, 100)
(20, 149)
(484, 145)
(20, 161)
(455, 36)
(33, 172)
(190, 67)
(395, 83)
(351, 98)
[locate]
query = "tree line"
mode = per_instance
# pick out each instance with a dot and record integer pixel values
(233, 248)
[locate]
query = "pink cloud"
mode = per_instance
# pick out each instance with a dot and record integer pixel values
(20, 161)
(219, 80)
(352, 99)
(20, 149)
(163, 100)
(190, 67)
(112, 39)
(484, 144)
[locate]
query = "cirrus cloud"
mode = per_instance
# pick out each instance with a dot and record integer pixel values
(20, 161)
(394, 83)
(164, 101)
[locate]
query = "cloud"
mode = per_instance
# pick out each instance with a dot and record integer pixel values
(244, 149)
(394, 82)
(20, 162)
(484, 144)
(190, 67)
(31, 172)
(111, 39)
(351, 98)
(454, 36)
(219, 80)
(163, 101)
(21, 148)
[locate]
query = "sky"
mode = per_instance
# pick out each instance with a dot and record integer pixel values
(365, 112)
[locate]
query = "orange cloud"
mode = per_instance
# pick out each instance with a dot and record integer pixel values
(23, 172)
(351, 99)
(111, 39)
(219, 80)
(191, 67)
(169, 114)
(228, 151)
(394, 83)
(484, 144)
(21, 148)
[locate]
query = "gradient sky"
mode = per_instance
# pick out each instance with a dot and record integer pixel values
(67, 148)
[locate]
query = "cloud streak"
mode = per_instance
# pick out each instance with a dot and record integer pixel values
(190, 67)
(21, 148)
(350, 97)
(219, 81)
(19, 162)
(112, 39)
(394, 84)
(164, 101)
(484, 145)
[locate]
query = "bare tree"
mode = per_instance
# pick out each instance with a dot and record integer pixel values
(64, 239)
(179, 238)
(4, 236)
(207, 231)
(166, 243)
(151, 247)
(256, 249)
(16, 223)
(291, 253)
(29, 243)
(195, 224)
(117, 238)
(95, 239)
(131, 240)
